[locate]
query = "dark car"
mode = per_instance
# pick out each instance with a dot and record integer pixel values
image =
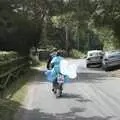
(111, 59)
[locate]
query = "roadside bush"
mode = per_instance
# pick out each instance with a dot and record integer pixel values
(4, 56)
(77, 54)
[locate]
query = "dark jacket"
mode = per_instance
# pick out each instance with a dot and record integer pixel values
(49, 61)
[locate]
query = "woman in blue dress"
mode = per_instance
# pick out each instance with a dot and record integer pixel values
(55, 62)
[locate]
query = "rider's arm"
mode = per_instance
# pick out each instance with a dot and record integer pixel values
(53, 62)
(49, 62)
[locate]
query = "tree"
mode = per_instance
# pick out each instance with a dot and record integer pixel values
(106, 15)
(17, 32)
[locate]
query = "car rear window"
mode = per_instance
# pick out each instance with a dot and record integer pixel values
(114, 54)
(95, 54)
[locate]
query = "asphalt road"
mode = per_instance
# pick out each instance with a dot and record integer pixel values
(94, 95)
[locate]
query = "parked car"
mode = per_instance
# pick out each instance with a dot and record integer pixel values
(111, 59)
(94, 57)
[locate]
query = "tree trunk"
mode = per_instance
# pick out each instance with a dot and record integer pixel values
(45, 30)
(67, 39)
(78, 41)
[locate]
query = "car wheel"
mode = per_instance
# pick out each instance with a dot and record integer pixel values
(103, 67)
(106, 69)
(100, 65)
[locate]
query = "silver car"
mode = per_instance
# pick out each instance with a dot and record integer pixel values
(94, 57)
(111, 59)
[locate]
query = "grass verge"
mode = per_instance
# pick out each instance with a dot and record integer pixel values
(43, 64)
(14, 96)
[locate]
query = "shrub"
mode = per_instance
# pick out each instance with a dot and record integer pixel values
(77, 54)
(4, 56)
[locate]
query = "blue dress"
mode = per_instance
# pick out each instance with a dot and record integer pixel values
(53, 73)
(56, 62)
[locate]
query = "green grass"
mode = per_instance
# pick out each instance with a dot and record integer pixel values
(43, 64)
(7, 109)
(4, 56)
(14, 96)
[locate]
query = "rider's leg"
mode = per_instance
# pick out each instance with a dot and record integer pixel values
(54, 85)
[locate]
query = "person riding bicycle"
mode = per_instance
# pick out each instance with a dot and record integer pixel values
(55, 62)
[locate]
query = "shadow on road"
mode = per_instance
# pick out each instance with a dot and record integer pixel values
(87, 77)
(70, 96)
(78, 97)
(36, 114)
(114, 68)
(81, 77)
(93, 77)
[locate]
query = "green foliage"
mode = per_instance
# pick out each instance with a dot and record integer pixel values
(13, 97)
(76, 18)
(76, 54)
(17, 32)
(7, 109)
(39, 23)
(107, 37)
(4, 56)
(106, 14)
(63, 19)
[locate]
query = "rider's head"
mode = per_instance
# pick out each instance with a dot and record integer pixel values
(53, 53)
(60, 53)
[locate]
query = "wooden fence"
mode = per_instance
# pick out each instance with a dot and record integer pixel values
(10, 70)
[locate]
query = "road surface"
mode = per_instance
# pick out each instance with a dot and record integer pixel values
(94, 95)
